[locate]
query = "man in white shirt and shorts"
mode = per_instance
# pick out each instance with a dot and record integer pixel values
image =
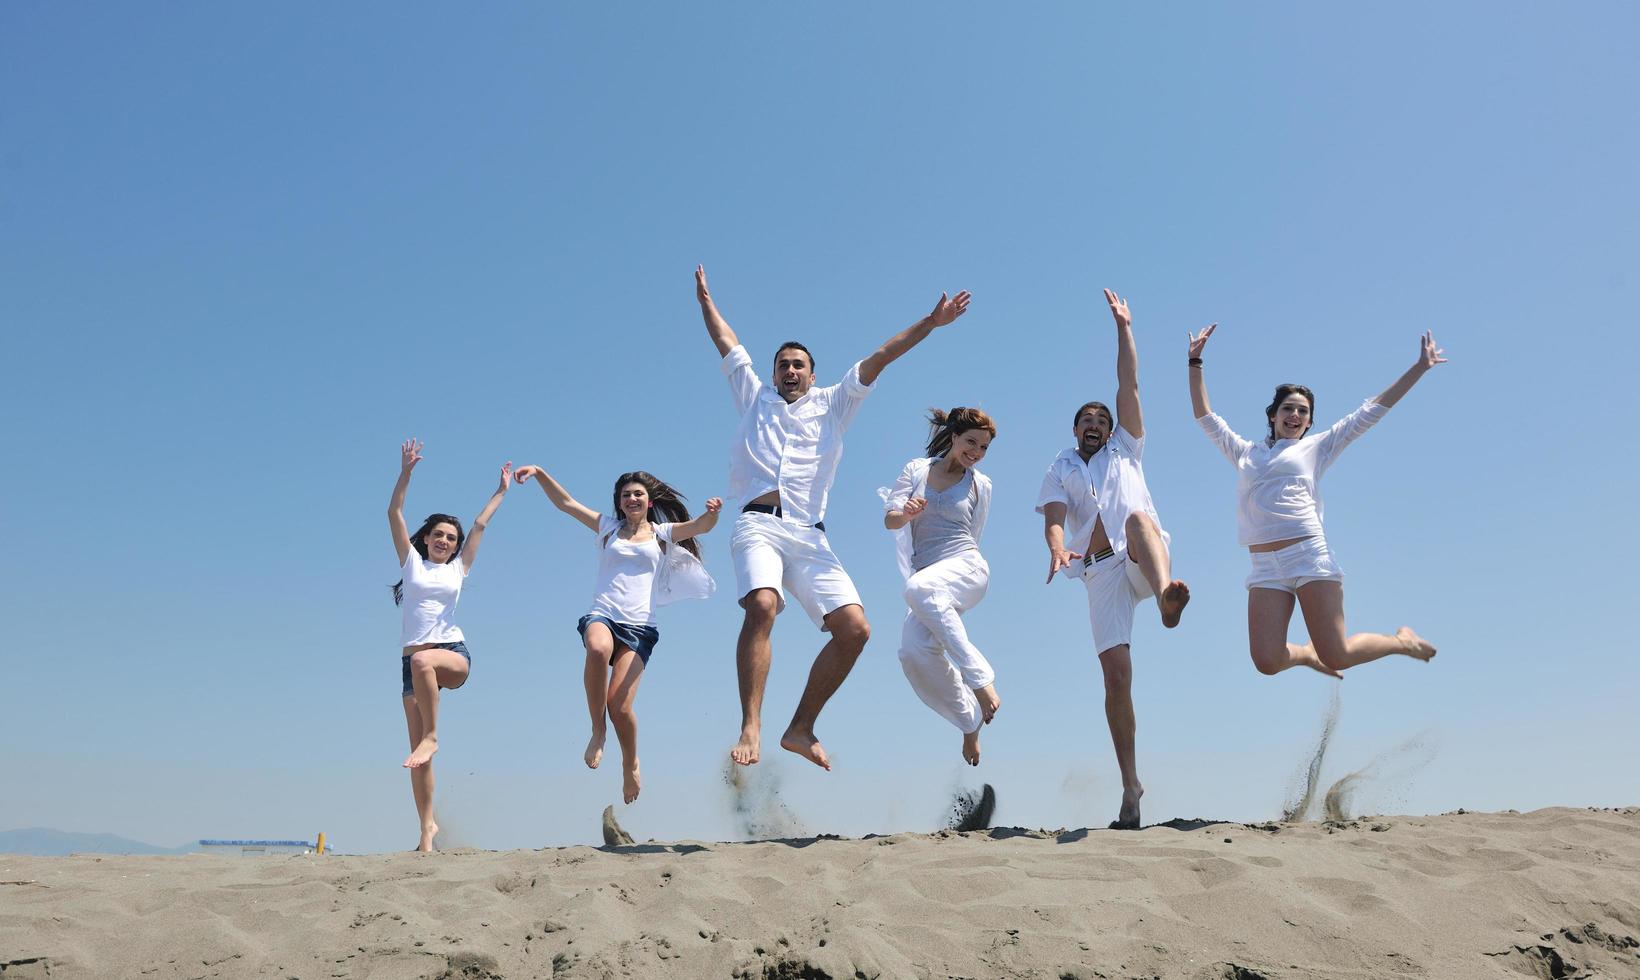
(782, 464)
(1098, 489)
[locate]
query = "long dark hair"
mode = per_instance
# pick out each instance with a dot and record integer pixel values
(418, 541)
(1282, 391)
(666, 504)
(946, 426)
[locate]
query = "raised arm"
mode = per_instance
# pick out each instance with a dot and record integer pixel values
(1197, 342)
(1053, 530)
(469, 551)
(945, 311)
(1428, 356)
(409, 456)
(1128, 414)
(716, 326)
(700, 525)
(558, 495)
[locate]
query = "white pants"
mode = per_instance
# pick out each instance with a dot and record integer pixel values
(943, 666)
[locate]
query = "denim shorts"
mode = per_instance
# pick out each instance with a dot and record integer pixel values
(456, 647)
(640, 640)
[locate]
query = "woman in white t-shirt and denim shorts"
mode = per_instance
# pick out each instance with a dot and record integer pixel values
(434, 563)
(1278, 519)
(646, 558)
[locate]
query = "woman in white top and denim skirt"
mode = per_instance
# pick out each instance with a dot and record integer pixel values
(1278, 520)
(646, 558)
(433, 563)
(938, 508)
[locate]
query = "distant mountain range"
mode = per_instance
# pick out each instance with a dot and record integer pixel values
(45, 842)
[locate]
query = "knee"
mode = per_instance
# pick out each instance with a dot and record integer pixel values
(620, 710)
(421, 662)
(761, 605)
(849, 628)
(1118, 670)
(924, 600)
(1268, 665)
(1139, 522)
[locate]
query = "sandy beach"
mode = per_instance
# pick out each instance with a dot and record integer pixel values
(1552, 893)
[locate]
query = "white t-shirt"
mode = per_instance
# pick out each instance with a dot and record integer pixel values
(626, 573)
(1278, 494)
(791, 448)
(431, 591)
(1111, 485)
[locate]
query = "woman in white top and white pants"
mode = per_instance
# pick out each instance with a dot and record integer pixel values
(646, 558)
(1278, 519)
(434, 651)
(937, 509)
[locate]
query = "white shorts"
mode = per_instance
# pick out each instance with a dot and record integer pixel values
(770, 553)
(1295, 565)
(1115, 586)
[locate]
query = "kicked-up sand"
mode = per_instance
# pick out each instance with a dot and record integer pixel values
(1553, 893)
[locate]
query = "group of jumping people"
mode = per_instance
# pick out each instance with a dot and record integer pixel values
(1099, 523)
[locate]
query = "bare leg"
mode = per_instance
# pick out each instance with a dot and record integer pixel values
(1146, 549)
(1117, 664)
(849, 633)
(623, 692)
(600, 646)
(1269, 612)
(1323, 605)
(421, 779)
(752, 667)
(429, 671)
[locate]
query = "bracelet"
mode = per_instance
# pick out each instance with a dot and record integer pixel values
(1195, 362)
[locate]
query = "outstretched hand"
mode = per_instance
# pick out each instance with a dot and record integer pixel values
(1198, 341)
(525, 474)
(1059, 558)
(409, 455)
(949, 308)
(1119, 309)
(702, 294)
(506, 477)
(714, 504)
(1429, 355)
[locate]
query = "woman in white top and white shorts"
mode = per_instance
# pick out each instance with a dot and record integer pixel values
(1279, 521)
(937, 509)
(646, 558)
(434, 651)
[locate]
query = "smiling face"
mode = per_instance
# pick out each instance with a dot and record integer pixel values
(1093, 428)
(969, 447)
(1292, 413)
(442, 539)
(633, 501)
(793, 373)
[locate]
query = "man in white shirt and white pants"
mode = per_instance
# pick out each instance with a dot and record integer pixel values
(1099, 488)
(782, 464)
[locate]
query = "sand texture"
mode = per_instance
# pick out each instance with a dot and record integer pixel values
(1553, 893)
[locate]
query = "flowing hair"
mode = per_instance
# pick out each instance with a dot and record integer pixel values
(666, 504)
(943, 427)
(1282, 391)
(419, 542)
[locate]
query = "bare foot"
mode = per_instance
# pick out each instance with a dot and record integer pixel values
(1127, 818)
(427, 834)
(989, 702)
(629, 782)
(423, 752)
(595, 749)
(745, 752)
(806, 745)
(1172, 602)
(1416, 646)
(970, 748)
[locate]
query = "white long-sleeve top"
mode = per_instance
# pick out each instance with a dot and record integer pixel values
(791, 448)
(1278, 493)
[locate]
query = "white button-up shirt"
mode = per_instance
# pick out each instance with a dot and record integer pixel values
(790, 448)
(1278, 492)
(1110, 485)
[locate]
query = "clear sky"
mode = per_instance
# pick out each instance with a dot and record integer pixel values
(245, 250)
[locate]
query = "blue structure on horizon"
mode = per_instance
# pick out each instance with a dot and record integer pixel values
(259, 847)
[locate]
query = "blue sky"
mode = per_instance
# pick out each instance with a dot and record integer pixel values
(245, 251)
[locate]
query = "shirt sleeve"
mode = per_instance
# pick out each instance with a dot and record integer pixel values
(1135, 445)
(606, 526)
(1345, 431)
(1053, 489)
(848, 394)
(744, 384)
(1233, 446)
(901, 491)
(663, 532)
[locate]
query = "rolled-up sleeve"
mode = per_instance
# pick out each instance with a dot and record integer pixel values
(1053, 489)
(848, 395)
(743, 380)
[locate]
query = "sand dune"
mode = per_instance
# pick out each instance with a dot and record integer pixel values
(1550, 893)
